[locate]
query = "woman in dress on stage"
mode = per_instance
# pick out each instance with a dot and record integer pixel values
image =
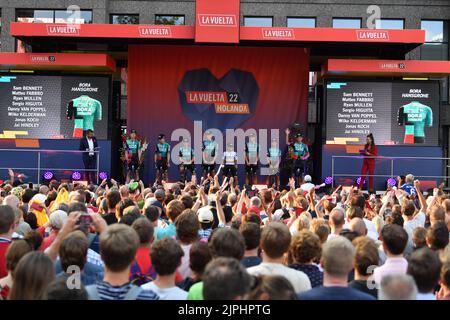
(370, 150)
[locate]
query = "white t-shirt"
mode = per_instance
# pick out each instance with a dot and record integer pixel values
(173, 293)
(307, 186)
(417, 221)
(298, 279)
(184, 269)
(372, 232)
(230, 157)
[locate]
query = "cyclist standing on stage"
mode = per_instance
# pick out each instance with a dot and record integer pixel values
(132, 155)
(162, 158)
(209, 154)
(301, 155)
(187, 161)
(251, 160)
(274, 157)
(230, 163)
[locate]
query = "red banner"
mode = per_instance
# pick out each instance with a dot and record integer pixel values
(217, 21)
(222, 87)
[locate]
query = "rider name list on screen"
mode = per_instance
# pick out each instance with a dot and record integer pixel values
(397, 113)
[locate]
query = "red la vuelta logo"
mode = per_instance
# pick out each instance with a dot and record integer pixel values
(155, 32)
(278, 33)
(217, 20)
(63, 30)
(372, 35)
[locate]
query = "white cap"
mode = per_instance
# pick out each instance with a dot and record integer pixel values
(39, 197)
(57, 218)
(205, 214)
(308, 178)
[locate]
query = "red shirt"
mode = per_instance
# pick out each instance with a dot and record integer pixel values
(144, 262)
(373, 153)
(4, 292)
(48, 241)
(4, 244)
(142, 258)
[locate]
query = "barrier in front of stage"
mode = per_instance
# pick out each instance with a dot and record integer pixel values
(34, 163)
(395, 167)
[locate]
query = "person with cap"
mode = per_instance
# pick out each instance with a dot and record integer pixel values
(132, 156)
(209, 154)
(187, 160)
(307, 185)
(274, 157)
(38, 208)
(162, 158)
(230, 160)
(136, 189)
(88, 144)
(300, 154)
(205, 218)
(251, 160)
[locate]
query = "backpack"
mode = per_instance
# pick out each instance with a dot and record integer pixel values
(132, 294)
(138, 277)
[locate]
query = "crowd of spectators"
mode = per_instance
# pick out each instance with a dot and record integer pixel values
(214, 240)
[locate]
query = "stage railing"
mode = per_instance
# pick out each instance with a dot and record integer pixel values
(392, 172)
(39, 168)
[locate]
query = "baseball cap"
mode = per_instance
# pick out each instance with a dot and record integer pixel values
(205, 215)
(298, 135)
(57, 218)
(308, 178)
(39, 197)
(133, 186)
(133, 131)
(162, 135)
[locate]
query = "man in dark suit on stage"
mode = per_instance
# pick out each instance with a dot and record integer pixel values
(89, 143)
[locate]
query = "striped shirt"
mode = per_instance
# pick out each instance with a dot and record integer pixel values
(109, 292)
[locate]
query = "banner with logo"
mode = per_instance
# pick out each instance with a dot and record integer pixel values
(396, 113)
(217, 21)
(53, 107)
(221, 88)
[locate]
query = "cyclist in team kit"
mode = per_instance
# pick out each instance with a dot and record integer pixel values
(274, 158)
(251, 160)
(230, 159)
(300, 154)
(187, 160)
(162, 158)
(209, 154)
(132, 155)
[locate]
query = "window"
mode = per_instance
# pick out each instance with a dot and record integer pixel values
(169, 20)
(258, 21)
(301, 22)
(390, 24)
(124, 19)
(436, 40)
(34, 16)
(347, 23)
(53, 16)
(50, 16)
(65, 16)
